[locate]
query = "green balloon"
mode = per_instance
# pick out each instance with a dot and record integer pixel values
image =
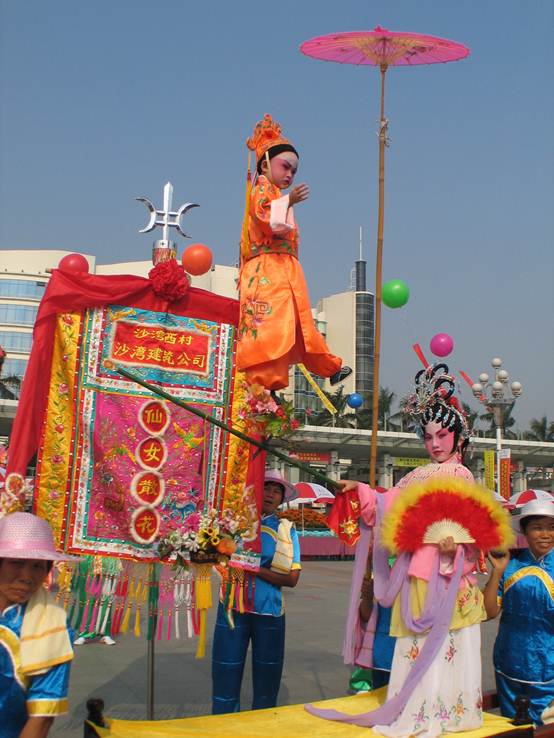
(395, 293)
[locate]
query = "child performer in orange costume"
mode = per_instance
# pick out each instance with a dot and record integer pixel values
(277, 328)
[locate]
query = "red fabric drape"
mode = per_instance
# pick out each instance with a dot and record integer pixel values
(344, 515)
(71, 292)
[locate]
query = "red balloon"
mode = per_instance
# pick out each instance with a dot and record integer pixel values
(73, 263)
(197, 259)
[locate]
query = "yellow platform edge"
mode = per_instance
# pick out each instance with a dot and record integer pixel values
(291, 721)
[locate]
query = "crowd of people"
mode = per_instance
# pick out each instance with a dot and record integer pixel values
(35, 639)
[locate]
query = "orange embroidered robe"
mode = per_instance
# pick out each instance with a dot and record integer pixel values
(276, 327)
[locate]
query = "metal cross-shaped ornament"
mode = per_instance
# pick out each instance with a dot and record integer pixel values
(164, 249)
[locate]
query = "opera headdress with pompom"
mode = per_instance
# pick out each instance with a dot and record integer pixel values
(433, 399)
(439, 508)
(268, 135)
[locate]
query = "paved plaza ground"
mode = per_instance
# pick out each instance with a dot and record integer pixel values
(313, 665)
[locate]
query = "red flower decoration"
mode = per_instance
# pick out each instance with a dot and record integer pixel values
(169, 280)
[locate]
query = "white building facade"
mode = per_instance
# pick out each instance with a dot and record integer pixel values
(345, 318)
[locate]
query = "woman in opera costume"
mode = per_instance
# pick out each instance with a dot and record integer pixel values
(435, 679)
(277, 328)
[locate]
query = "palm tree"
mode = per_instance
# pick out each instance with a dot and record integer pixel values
(471, 415)
(509, 421)
(400, 421)
(343, 418)
(540, 430)
(386, 399)
(9, 386)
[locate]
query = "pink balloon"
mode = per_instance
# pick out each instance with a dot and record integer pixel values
(73, 263)
(441, 344)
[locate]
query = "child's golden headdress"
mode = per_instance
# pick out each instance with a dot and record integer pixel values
(267, 134)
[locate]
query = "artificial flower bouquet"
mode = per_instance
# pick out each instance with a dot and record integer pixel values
(205, 537)
(263, 416)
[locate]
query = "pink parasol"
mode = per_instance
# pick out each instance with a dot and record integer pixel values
(382, 48)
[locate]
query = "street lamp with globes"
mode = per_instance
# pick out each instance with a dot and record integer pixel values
(496, 398)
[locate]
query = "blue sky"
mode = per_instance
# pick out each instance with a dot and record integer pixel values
(105, 101)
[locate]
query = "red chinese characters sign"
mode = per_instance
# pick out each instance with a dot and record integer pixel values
(154, 417)
(151, 453)
(504, 472)
(145, 524)
(170, 349)
(148, 488)
(317, 457)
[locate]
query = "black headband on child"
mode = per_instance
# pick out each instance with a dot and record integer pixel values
(275, 151)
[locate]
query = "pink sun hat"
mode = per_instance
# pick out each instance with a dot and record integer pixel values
(25, 536)
(272, 475)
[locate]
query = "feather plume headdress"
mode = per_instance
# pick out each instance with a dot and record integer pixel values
(433, 400)
(438, 508)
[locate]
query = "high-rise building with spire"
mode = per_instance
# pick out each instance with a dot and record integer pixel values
(346, 319)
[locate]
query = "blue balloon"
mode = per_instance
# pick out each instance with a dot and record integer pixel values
(355, 400)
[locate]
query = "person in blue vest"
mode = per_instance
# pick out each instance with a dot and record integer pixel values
(522, 590)
(264, 627)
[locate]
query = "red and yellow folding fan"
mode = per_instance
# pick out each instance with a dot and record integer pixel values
(439, 508)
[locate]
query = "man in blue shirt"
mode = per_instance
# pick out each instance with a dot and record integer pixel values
(265, 625)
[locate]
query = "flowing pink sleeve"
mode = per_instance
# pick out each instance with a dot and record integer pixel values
(368, 502)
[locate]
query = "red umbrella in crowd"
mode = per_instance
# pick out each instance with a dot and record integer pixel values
(528, 495)
(382, 48)
(309, 492)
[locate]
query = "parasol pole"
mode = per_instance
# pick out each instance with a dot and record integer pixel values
(378, 271)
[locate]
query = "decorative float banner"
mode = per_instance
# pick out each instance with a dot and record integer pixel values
(117, 467)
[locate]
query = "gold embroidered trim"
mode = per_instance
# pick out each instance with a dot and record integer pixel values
(531, 571)
(46, 708)
(10, 641)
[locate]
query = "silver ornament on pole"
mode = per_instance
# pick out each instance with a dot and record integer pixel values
(164, 248)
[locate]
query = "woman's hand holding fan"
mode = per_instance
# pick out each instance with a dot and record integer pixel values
(445, 512)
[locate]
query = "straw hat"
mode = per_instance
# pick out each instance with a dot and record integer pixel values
(272, 475)
(24, 536)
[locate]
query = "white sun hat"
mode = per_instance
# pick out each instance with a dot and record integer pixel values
(540, 508)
